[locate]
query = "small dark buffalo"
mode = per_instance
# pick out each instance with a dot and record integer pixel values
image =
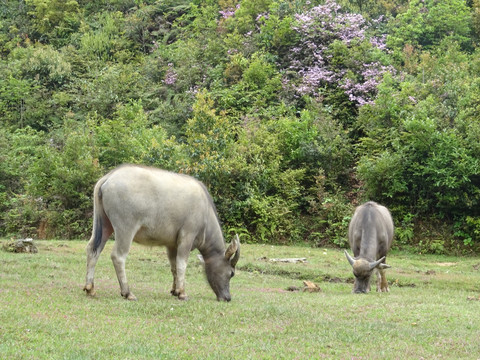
(156, 207)
(370, 234)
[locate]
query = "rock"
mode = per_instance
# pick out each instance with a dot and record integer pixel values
(290, 260)
(21, 246)
(311, 286)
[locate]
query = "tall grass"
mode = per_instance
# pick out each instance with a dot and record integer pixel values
(432, 310)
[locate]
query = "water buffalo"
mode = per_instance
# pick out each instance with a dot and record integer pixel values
(157, 207)
(370, 234)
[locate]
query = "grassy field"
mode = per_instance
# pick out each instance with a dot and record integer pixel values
(432, 310)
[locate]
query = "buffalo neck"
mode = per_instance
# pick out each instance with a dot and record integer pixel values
(213, 243)
(368, 248)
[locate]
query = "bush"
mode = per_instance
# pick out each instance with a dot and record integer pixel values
(331, 212)
(427, 23)
(427, 169)
(61, 180)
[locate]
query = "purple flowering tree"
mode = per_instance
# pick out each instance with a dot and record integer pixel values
(170, 75)
(334, 50)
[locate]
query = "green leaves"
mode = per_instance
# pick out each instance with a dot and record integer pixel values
(427, 163)
(427, 23)
(54, 19)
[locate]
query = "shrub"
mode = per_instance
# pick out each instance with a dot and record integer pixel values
(427, 23)
(331, 212)
(427, 170)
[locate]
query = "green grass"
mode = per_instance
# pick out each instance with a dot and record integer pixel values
(432, 310)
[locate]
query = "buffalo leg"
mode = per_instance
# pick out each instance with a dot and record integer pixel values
(172, 257)
(119, 256)
(183, 251)
(92, 258)
(382, 284)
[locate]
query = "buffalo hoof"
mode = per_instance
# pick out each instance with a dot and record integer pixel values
(130, 297)
(89, 289)
(181, 295)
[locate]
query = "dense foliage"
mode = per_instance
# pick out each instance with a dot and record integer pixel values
(291, 112)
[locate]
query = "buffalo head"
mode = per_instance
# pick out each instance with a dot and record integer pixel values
(221, 268)
(362, 270)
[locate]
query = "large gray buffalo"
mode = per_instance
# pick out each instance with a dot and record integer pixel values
(156, 207)
(370, 234)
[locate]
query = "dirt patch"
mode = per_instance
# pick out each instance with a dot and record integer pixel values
(268, 290)
(292, 274)
(59, 249)
(293, 288)
(401, 284)
(336, 280)
(446, 264)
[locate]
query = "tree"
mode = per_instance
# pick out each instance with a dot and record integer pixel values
(427, 22)
(335, 59)
(54, 20)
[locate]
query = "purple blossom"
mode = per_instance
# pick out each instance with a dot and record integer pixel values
(379, 42)
(362, 92)
(227, 13)
(170, 75)
(193, 90)
(154, 46)
(311, 58)
(261, 16)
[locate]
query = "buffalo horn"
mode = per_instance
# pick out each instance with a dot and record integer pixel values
(374, 264)
(349, 258)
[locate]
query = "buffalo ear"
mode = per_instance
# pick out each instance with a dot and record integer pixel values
(233, 250)
(201, 259)
(378, 263)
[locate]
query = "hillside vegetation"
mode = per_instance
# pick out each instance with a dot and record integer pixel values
(291, 112)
